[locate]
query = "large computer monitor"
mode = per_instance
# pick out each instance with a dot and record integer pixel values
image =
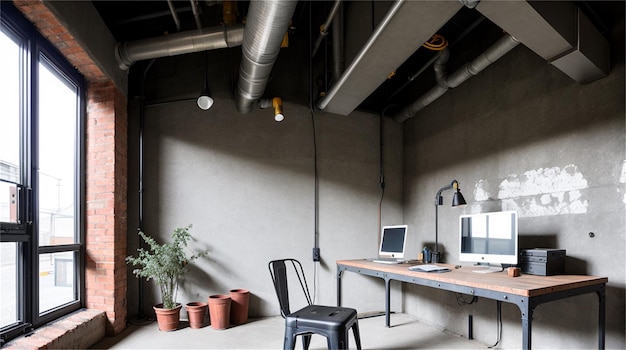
(489, 238)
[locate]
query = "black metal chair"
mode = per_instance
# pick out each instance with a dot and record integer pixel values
(332, 322)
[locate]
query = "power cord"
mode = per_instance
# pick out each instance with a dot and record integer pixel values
(381, 165)
(315, 173)
(498, 323)
(462, 302)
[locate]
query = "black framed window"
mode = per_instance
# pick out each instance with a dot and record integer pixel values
(41, 186)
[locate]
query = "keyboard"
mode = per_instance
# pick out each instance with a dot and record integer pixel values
(387, 261)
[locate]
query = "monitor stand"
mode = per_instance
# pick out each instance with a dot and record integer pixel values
(486, 268)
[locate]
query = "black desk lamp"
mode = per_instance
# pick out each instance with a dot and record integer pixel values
(457, 200)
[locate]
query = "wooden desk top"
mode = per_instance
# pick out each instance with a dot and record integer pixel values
(524, 285)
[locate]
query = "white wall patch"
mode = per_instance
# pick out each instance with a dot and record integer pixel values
(545, 192)
(480, 191)
(622, 178)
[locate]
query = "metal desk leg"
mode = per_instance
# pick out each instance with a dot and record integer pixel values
(601, 317)
(339, 273)
(387, 301)
(527, 320)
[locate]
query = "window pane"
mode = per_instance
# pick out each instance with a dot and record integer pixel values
(57, 154)
(56, 280)
(8, 276)
(10, 116)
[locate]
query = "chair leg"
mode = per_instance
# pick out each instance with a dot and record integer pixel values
(306, 341)
(337, 340)
(289, 342)
(357, 335)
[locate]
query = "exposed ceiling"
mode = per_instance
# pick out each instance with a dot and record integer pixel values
(468, 32)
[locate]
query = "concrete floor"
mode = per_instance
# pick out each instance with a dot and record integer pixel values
(267, 333)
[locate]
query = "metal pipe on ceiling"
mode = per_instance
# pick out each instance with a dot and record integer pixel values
(174, 14)
(338, 45)
(196, 13)
(218, 37)
(403, 29)
(266, 25)
(324, 28)
(412, 77)
(446, 82)
(381, 27)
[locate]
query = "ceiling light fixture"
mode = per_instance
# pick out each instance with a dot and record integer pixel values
(205, 100)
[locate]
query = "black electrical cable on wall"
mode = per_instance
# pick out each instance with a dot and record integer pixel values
(381, 165)
(315, 173)
(498, 324)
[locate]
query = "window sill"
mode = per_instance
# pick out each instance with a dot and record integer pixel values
(78, 330)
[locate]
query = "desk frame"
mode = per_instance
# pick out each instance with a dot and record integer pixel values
(526, 304)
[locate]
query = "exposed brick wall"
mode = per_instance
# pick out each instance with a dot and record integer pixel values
(106, 208)
(106, 172)
(52, 29)
(80, 330)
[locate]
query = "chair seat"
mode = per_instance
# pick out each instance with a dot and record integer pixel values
(322, 317)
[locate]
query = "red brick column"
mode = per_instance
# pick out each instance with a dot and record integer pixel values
(106, 172)
(106, 207)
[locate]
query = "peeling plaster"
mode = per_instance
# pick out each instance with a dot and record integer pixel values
(541, 192)
(622, 179)
(481, 191)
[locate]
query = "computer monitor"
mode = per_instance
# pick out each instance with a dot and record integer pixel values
(489, 238)
(393, 241)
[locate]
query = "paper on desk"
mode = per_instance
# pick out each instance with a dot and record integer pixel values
(429, 268)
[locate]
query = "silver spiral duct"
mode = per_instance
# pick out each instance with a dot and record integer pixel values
(446, 82)
(266, 24)
(219, 37)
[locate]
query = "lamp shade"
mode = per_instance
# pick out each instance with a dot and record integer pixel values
(457, 199)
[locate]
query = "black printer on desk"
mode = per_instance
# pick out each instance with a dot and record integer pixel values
(543, 261)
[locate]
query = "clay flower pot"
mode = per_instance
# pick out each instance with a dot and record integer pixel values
(240, 299)
(219, 311)
(167, 319)
(195, 312)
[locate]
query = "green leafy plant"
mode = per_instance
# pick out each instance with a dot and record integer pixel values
(164, 263)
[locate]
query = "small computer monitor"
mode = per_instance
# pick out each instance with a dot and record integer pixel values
(489, 238)
(393, 241)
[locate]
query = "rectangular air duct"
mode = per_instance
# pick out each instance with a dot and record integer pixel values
(403, 30)
(588, 60)
(557, 31)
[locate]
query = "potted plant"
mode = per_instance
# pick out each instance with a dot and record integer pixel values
(165, 264)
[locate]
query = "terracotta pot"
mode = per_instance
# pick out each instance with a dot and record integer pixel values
(240, 299)
(167, 318)
(195, 312)
(219, 311)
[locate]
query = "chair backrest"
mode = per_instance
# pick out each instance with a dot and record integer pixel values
(279, 270)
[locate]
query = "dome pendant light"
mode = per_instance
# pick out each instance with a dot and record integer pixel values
(205, 100)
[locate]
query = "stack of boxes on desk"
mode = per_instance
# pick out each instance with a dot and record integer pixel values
(542, 261)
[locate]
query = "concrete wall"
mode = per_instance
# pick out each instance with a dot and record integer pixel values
(529, 139)
(523, 136)
(247, 185)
